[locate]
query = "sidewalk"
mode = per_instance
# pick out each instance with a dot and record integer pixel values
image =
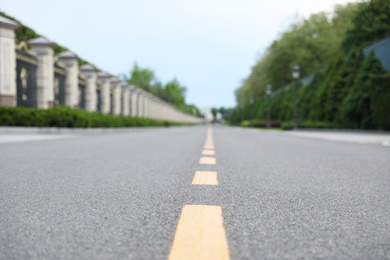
(352, 136)
(23, 134)
(361, 137)
(64, 130)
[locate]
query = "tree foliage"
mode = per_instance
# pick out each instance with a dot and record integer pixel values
(312, 43)
(370, 24)
(349, 90)
(172, 92)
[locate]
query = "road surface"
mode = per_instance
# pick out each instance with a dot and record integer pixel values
(190, 192)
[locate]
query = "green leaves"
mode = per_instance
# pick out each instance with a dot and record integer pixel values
(312, 43)
(70, 118)
(172, 92)
(348, 90)
(369, 25)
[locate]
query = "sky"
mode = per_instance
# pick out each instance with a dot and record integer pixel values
(209, 46)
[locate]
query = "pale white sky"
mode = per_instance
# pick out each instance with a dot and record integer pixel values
(208, 45)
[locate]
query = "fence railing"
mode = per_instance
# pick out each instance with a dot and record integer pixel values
(31, 75)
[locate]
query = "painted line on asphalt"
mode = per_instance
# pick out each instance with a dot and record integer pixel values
(207, 160)
(209, 147)
(209, 142)
(208, 152)
(200, 234)
(205, 178)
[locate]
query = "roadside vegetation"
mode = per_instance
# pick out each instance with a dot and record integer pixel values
(71, 118)
(348, 89)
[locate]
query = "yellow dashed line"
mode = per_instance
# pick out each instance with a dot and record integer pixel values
(205, 178)
(209, 147)
(200, 234)
(208, 152)
(207, 160)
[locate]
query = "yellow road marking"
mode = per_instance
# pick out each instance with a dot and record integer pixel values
(205, 178)
(200, 234)
(208, 152)
(209, 147)
(207, 160)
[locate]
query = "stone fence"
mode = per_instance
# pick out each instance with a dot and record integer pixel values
(30, 75)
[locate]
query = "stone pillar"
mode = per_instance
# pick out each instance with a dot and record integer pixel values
(151, 107)
(134, 101)
(7, 62)
(164, 115)
(146, 105)
(125, 111)
(90, 87)
(159, 110)
(116, 94)
(162, 110)
(140, 103)
(72, 78)
(104, 79)
(45, 71)
(155, 108)
(131, 100)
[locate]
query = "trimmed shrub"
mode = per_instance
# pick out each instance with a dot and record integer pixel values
(71, 118)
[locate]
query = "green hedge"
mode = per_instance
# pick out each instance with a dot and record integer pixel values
(352, 93)
(71, 118)
(261, 123)
(287, 125)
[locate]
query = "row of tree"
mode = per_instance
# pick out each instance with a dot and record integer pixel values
(349, 90)
(142, 78)
(172, 91)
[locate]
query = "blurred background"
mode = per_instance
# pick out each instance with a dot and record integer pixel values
(232, 62)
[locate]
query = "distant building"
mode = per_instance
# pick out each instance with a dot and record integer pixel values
(207, 113)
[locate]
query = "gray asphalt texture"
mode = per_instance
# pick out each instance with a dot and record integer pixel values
(120, 195)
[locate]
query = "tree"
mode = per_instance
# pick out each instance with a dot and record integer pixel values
(214, 112)
(312, 43)
(175, 93)
(143, 78)
(223, 111)
(370, 24)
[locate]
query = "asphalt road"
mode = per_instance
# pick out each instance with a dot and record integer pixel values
(120, 195)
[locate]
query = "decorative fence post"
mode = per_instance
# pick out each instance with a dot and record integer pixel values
(140, 103)
(72, 78)
(133, 101)
(146, 105)
(125, 108)
(116, 96)
(104, 79)
(7, 62)
(45, 72)
(154, 108)
(90, 93)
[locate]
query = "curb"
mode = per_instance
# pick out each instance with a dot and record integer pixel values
(60, 130)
